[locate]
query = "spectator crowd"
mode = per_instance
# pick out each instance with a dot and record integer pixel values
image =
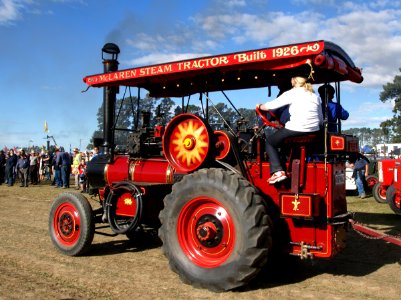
(55, 168)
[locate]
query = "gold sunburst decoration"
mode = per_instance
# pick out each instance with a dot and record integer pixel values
(191, 142)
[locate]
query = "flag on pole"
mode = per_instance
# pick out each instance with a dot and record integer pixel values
(46, 128)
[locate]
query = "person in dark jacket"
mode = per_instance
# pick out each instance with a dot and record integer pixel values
(2, 166)
(10, 167)
(64, 161)
(334, 110)
(22, 168)
(57, 183)
(361, 167)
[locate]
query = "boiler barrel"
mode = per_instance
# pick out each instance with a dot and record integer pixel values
(151, 171)
(100, 172)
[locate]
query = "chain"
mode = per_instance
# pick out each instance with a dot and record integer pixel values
(369, 237)
(384, 235)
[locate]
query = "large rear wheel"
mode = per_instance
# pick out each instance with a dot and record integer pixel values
(379, 193)
(215, 230)
(71, 224)
(394, 199)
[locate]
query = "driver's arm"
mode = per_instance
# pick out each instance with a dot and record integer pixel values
(261, 106)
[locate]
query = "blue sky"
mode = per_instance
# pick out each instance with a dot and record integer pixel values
(48, 46)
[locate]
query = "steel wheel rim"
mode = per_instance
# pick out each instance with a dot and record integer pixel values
(211, 249)
(397, 200)
(382, 192)
(371, 182)
(67, 224)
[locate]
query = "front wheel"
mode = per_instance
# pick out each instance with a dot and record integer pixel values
(215, 230)
(71, 224)
(379, 193)
(394, 199)
(371, 180)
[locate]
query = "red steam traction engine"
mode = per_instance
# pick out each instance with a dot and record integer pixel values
(389, 185)
(206, 190)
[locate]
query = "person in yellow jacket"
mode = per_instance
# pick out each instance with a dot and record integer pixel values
(75, 166)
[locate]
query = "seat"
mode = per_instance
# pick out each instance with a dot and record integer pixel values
(297, 147)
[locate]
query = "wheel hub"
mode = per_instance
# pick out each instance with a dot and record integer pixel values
(66, 224)
(397, 202)
(189, 142)
(209, 231)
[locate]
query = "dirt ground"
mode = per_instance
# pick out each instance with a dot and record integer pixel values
(115, 268)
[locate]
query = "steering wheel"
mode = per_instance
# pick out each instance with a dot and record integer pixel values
(275, 124)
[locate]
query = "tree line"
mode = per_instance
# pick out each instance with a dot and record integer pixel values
(129, 115)
(369, 137)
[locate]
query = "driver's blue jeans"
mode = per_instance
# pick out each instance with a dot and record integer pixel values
(359, 181)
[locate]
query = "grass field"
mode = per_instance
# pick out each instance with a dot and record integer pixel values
(375, 215)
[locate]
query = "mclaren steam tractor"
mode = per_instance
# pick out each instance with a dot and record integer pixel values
(205, 190)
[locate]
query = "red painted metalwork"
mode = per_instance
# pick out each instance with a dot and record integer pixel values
(159, 131)
(254, 68)
(386, 169)
(223, 144)
(394, 197)
(205, 63)
(117, 171)
(186, 142)
(155, 170)
(299, 205)
(67, 224)
(337, 143)
(126, 205)
(340, 66)
(324, 61)
(151, 171)
(327, 238)
(191, 239)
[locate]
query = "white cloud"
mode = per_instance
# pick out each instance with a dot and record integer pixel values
(377, 107)
(233, 3)
(70, 1)
(363, 121)
(13, 10)
(385, 4)
(371, 37)
(9, 11)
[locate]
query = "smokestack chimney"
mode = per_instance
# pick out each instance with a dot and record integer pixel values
(110, 53)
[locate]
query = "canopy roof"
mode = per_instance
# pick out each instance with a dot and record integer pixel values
(321, 61)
